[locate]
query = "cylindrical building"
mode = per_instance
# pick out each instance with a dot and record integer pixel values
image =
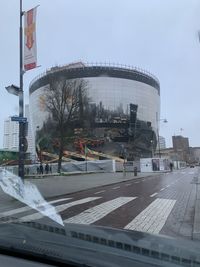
(124, 101)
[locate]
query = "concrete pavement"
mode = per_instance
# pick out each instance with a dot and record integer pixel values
(160, 204)
(52, 186)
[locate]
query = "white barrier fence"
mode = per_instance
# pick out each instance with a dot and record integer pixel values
(68, 167)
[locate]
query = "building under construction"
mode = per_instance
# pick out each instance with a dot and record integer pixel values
(117, 119)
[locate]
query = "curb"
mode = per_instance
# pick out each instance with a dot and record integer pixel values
(44, 176)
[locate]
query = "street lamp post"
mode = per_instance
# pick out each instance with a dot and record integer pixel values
(152, 148)
(21, 99)
(124, 152)
(158, 120)
(18, 91)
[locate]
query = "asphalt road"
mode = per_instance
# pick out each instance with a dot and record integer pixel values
(161, 204)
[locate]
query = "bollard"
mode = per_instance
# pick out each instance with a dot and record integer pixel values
(135, 171)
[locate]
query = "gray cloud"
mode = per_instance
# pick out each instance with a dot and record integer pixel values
(160, 36)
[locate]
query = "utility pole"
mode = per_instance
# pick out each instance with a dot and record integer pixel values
(152, 155)
(31, 62)
(157, 120)
(21, 100)
(86, 152)
(158, 134)
(159, 145)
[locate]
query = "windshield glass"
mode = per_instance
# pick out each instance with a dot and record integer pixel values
(99, 119)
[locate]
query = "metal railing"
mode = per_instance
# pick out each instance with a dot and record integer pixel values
(74, 65)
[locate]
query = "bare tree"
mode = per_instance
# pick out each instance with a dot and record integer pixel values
(64, 100)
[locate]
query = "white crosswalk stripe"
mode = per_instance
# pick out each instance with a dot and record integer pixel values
(153, 218)
(27, 208)
(98, 212)
(99, 192)
(38, 215)
(153, 195)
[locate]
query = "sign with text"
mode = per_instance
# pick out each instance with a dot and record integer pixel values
(19, 119)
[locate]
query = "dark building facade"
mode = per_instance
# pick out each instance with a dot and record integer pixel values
(181, 146)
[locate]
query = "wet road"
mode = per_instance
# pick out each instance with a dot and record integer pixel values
(161, 204)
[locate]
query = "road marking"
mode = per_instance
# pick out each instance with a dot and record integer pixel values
(38, 215)
(136, 182)
(98, 212)
(168, 186)
(117, 187)
(143, 180)
(127, 184)
(162, 189)
(153, 218)
(102, 191)
(153, 195)
(27, 208)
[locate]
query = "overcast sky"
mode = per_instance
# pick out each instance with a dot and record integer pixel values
(157, 35)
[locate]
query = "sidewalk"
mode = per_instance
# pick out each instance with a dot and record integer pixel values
(59, 185)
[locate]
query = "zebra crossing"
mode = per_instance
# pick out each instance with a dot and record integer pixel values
(60, 208)
(27, 208)
(98, 212)
(151, 219)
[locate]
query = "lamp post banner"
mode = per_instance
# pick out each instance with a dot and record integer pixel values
(30, 47)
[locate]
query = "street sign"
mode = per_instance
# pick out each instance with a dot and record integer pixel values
(19, 119)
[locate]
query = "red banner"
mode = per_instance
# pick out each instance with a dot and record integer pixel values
(30, 49)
